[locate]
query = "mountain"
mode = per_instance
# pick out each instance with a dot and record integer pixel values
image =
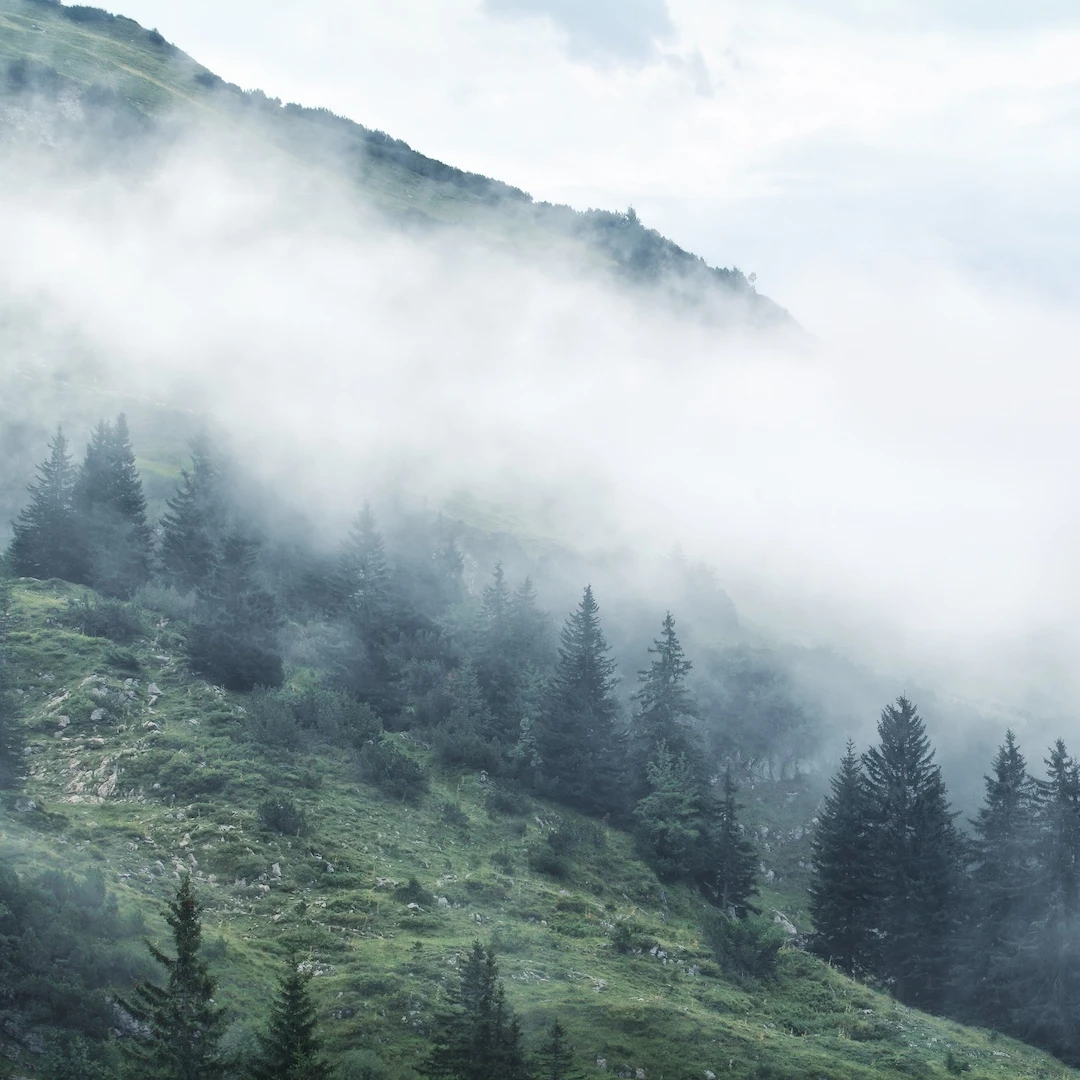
(69, 71)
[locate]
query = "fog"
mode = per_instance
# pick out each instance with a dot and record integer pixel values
(895, 481)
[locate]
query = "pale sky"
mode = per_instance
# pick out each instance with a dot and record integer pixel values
(786, 138)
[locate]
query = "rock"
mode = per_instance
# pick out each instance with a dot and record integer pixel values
(25, 806)
(97, 716)
(62, 722)
(276, 870)
(639, 1074)
(710, 1075)
(601, 1064)
(150, 726)
(784, 923)
(96, 743)
(413, 907)
(153, 690)
(442, 901)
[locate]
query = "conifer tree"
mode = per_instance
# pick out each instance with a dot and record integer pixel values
(194, 523)
(184, 1025)
(579, 745)
(671, 818)
(1059, 829)
(919, 853)
(734, 858)
(666, 708)
(290, 1049)
(478, 1037)
(498, 665)
(110, 510)
(843, 890)
(44, 536)
(557, 1056)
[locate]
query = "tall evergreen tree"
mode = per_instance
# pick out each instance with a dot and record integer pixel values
(290, 1049)
(919, 854)
(193, 526)
(1059, 831)
(184, 1026)
(666, 708)
(734, 857)
(478, 1037)
(44, 537)
(577, 739)
(843, 890)
(671, 819)
(110, 510)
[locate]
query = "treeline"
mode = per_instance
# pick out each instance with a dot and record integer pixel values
(401, 643)
(982, 927)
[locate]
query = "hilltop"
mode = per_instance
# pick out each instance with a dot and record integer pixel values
(68, 72)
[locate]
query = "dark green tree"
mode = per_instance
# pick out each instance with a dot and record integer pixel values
(666, 708)
(183, 1024)
(843, 890)
(233, 637)
(44, 537)
(290, 1048)
(672, 823)
(478, 1037)
(919, 856)
(110, 510)
(580, 749)
(556, 1058)
(193, 526)
(1059, 831)
(733, 856)
(1005, 863)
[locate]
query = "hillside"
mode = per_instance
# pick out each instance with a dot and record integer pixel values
(140, 770)
(73, 71)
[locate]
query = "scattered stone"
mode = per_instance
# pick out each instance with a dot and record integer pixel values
(601, 1064)
(710, 1075)
(149, 725)
(442, 901)
(97, 716)
(62, 722)
(25, 806)
(639, 1074)
(276, 870)
(96, 743)
(784, 923)
(413, 907)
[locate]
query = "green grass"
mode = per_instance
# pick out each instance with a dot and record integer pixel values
(337, 893)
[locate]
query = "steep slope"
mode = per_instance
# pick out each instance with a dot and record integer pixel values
(137, 768)
(69, 70)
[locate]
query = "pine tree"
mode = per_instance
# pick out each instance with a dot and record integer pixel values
(666, 708)
(44, 536)
(579, 745)
(478, 1037)
(289, 1049)
(497, 664)
(233, 637)
(843, 889)
(194, 523)
(733, 856)
(1004, 867)
(557, 1056)
(184, 1025)
(1059, 829)
(671, 818)
(110, 510)
(919, 853)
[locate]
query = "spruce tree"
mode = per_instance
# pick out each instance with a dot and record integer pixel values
(110, 510)
(919, 853)
(478, 1037)
(734, 858)
(556, 1059)
(183, 1024)
(290, 1049)
(194, 523)
(44, 542)
(577, 739)
(1005, 864)
(1059, 831)
(843, 889)
(671, 818)
(666, 708)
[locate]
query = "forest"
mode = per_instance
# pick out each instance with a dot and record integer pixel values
(345, 652)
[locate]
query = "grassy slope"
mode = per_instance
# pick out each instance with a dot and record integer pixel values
(383, 964)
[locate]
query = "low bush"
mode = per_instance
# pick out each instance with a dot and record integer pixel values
(393, 771)
(280, 814)
(112, 619)
(505, 801)
(745, 947)
(545, 861)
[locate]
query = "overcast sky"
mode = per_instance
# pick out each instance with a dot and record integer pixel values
(786, 138)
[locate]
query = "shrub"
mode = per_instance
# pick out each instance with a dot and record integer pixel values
(280, 814)
(165, 600)
(393, 771)
(412, 892)
(546, 861)
(112, 619)
(270, 720)
(748, 947)
(503, 860)
(463, 747)
(122, 659)
(506, 801)
(570, 834)
(452, 814)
